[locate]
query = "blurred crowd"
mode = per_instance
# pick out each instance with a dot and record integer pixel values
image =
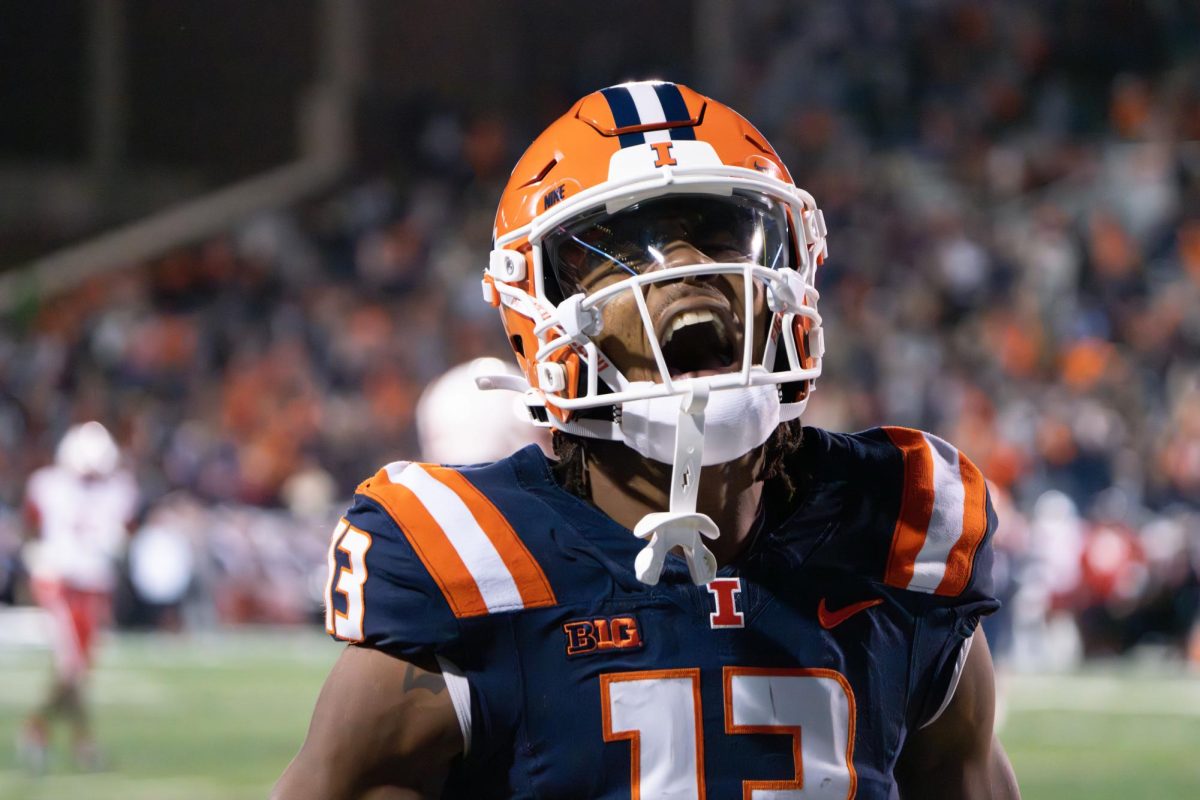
(1013, 196)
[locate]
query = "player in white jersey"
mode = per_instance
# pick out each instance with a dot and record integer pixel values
(79, 511)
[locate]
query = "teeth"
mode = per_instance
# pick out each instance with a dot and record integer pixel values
(693, 318)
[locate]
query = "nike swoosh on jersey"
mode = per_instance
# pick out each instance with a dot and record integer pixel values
(831, 619)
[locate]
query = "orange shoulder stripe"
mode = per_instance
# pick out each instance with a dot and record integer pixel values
(916, 506)
(436, 552)
(526, 572)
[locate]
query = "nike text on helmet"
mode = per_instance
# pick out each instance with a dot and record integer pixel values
(637, 187)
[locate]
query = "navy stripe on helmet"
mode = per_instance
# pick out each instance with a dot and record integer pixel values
(625, 114)
(675, 109)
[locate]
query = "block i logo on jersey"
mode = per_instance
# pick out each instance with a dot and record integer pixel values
(725, 592)
(602, 635)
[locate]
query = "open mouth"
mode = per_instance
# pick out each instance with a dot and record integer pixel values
(697, 340)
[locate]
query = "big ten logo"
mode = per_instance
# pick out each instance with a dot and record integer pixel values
(602, 635)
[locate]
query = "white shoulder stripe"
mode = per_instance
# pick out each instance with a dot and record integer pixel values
(473, 546)
(395, 468)
(946, 522)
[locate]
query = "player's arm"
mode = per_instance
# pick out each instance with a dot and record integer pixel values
(383, 728)
(958, 756)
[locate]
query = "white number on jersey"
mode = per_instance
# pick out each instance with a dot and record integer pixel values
(817, 702)
(658, 712)
(347, 582)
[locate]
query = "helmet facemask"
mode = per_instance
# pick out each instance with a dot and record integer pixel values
(669, 292)
(672, 290)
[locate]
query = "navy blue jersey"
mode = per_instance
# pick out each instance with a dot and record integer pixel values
(797, 672)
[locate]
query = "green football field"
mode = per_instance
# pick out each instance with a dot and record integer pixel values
(199, 717)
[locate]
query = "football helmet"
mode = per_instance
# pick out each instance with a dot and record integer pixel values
(459, 424)
(88, 450)
(637, 188)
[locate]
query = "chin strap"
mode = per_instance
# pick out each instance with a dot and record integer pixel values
(681, 526)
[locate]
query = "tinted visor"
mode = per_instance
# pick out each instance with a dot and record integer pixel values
(599, 249)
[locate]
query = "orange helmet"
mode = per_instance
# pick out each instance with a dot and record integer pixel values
(614, 155)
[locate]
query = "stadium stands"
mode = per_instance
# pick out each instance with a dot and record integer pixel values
(1013, 197)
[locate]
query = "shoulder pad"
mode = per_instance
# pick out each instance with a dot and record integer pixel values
(468, 547)
(944, 516)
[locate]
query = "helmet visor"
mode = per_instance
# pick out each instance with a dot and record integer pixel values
(598, 249)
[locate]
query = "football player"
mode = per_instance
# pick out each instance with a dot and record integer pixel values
(79, 510)
(699, 598)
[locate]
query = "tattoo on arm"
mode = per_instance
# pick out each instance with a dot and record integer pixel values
(419, 679)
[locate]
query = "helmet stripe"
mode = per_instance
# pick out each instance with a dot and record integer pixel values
(625, 114)
(645, 99)
(675, 110)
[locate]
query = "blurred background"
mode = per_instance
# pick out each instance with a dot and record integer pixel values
(246, 236)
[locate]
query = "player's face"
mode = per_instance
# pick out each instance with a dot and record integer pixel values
(697, 321)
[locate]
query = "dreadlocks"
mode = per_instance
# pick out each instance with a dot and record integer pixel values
(570, 470)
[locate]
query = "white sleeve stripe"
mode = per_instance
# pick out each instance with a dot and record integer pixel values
(394, 470)
(946, 522)
(460, 696)
(959, 663)
(462, 530)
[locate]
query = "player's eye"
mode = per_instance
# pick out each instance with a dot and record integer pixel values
(603, 274)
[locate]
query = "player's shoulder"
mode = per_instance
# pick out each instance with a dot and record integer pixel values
(47, 472)
(912, 506)
(46, 481)
(454, 531)
(874, 451)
